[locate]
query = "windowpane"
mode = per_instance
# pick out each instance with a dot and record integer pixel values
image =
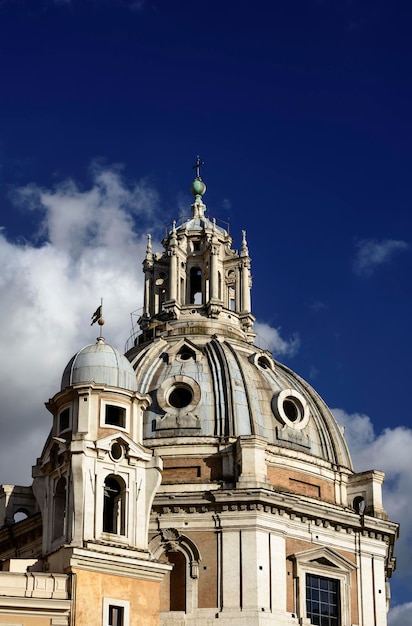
(322, 600)
(116, 614)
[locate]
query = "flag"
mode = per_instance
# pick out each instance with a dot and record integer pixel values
(96, 315)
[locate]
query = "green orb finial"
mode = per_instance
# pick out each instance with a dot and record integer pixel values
(198, 187)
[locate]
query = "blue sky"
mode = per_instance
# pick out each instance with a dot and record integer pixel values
(301, 112)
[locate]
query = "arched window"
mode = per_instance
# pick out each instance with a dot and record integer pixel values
(179, 588)
(232, 299)
(59, 508)
(182, 291)
(195, 285)
(177, 581)
(114, 507)
(20, 515)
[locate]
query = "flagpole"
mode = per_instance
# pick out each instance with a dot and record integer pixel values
(101, 316)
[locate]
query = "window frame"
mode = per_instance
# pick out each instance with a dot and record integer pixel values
(115, 602)
(118, 508)
(63, 409)
(330, 582)
(325, 563)
(121, 405)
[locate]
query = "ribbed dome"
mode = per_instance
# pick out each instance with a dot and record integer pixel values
(201, 223)
(102, 364)
(224, 388)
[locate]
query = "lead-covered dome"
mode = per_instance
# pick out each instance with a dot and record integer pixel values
(102, 364)
(221, 388)
(195, 357)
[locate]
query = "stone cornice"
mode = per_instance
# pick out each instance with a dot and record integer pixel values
(290, 506)
(109, 563)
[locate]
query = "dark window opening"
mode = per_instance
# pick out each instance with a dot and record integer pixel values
(196, 246)
(322, 600)
(182, 291)
(59, 508)
(116, 615)
(115, 416)
(116, 451)
(264, 364)
(185, 354)
(195, 285)
(64, 420)
(291, 410)
(114, 506)
(359, 505)
(180, 396)
(177, 581)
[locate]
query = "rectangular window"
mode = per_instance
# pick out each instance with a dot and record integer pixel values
(116, 612)
(115, 415)
(322, 600)
(64, 420)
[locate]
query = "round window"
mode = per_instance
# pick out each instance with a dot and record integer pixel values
(116, 451)
(291, 408)
(180, 396)
(264, 363)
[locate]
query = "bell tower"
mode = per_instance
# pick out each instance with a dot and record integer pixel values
(198, 275)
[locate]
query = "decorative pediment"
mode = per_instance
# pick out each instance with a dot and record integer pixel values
(55, 454)
(323, 557)
(184, 350)
(119, 445)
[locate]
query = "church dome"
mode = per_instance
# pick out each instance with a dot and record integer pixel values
(209, 384)
(222, 388)
(102, 364)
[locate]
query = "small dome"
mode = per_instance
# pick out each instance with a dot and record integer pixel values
(102, 364)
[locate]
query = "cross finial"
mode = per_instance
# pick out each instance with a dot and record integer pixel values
(197, 166)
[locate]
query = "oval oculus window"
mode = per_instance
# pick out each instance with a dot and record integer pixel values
(116, 451)
(178, 393)
(180, 396)
(291, 408)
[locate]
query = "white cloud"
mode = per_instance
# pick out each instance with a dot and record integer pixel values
(400, 615)
(389, 451)
(371, 253)
(270, 339)
(89, 249)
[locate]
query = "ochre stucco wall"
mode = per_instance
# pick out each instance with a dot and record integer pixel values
(92, 587)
